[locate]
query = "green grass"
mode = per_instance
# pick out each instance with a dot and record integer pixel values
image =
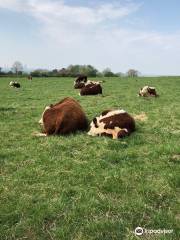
(81, 187)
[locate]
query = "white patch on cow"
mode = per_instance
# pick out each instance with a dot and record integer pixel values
(11, 83)
(100, 130)
(41, 120)
(144, 91)
(91, 82)
(112, 113)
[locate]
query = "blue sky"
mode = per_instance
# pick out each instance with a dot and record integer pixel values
(123, 34)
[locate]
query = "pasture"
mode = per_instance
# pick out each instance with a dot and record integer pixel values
(80, 187)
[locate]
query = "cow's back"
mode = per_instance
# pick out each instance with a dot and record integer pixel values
(64, 117)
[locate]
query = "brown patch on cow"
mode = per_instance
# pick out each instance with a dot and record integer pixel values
(91, 89)
(79, 85)
(122, 133)
(121, 120)
(64, 117)
(105, 112)
(142, 117)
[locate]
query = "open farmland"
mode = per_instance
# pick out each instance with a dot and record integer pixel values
(81, 187)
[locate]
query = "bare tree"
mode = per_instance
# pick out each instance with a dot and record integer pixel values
(17, 67)
(132, 73)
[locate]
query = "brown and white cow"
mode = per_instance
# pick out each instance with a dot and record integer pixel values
(91, 88)
(64, 117)
(80, 81)
(147, 91)
(113, 123)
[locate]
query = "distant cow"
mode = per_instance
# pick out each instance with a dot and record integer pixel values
(14, 84)
(29, 77)
(91, 88)
(64, 117)
(148, 92)
(80, 81)
(113, 123)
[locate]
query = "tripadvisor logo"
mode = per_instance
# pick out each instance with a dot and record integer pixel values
(140, 231)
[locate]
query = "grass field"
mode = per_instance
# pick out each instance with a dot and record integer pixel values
(81, 187)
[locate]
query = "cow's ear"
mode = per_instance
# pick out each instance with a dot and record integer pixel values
(95, 122)
(105, 112)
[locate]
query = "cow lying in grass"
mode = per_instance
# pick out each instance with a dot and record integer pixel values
(80, 81)
(14, 84)
(148, 92)
(91, 88)
(113, 123)
(64, 117)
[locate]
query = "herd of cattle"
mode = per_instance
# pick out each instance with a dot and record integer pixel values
(67, 116)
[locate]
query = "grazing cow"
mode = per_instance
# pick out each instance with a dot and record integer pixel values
(148, 92)
(113, 123)
(91, 88)
(29, 77)
(14, 84)
(80, 81)
(64, 117)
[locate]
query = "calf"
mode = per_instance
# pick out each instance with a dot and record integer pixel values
(91, 88)
(148, 92)
(113, 123)
(80, 81)
(64, 117)
(14, 84)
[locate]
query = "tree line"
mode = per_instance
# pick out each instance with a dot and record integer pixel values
(70, 71)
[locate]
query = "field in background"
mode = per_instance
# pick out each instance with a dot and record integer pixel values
(80, 187)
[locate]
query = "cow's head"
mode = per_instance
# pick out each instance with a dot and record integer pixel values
(46, 108)
(94, 127)
(11, 83)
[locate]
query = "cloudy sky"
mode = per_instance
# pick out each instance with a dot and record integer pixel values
(119, 34)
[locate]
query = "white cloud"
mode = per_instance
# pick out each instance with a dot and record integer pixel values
(95, 34)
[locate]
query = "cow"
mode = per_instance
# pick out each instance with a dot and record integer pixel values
(29, 77)
(148, 92)
(64, 117)
(113, 123)
(14, 84)
(80, 81)
(91, 88)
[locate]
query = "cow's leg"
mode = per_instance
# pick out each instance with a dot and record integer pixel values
(40, 134)
(59, 125)
(122, 133)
